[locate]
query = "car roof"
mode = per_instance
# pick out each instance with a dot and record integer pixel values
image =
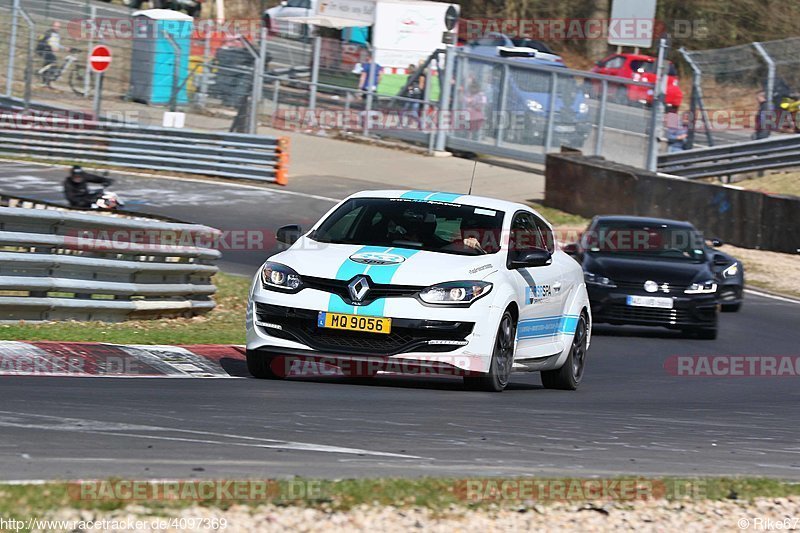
(456, 198)
(643, 220)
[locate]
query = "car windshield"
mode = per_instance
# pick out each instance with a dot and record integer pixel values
(417, 224)
(649, 67)
(663, 241)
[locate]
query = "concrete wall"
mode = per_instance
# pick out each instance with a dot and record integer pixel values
(592, 186)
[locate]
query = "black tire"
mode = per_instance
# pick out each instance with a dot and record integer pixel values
(570, 375)
(77, 77)
(259, 366)
(731, 308)
(502, 358)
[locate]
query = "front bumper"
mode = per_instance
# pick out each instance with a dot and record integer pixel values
(609, 305)
(450, 339)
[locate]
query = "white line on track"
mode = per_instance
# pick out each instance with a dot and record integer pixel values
(99, 427)
(772, 296)
(192, 180)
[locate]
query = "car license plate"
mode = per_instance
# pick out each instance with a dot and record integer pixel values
(650, 301)
(370, 324)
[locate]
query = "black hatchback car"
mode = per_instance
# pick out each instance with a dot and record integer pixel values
(656, 272)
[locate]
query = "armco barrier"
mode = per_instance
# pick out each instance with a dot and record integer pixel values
(218, 154)
(64, 264)
(591, 186)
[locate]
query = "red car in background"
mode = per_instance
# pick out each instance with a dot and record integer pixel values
(638, 68)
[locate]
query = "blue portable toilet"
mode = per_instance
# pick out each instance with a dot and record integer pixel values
(153, 57)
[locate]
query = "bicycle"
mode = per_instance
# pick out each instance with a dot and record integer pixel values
(52, 72)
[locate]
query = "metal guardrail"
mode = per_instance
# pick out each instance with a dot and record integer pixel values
(71, 265)
(218, 154)
(752, 156)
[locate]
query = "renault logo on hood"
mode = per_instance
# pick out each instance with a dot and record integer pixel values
(358, 288)
(377, 258)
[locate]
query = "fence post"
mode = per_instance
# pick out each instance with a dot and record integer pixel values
(312, 95)
(444, 97)
(87, 69)
(770, 89)
(501, 129)
(276, 87)
(697, 100)
(12, 45)
(551, 113)
(203, 96)
(598, 140)
(658, 105)
(176, 62)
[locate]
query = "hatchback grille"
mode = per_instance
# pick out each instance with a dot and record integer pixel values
(650, 314)
(408, 335)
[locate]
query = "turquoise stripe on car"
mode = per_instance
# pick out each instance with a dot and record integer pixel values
(431, 195)
(381, 274)
(547, 326)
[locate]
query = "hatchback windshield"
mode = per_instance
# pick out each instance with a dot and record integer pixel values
(417, 224)
(653, 240)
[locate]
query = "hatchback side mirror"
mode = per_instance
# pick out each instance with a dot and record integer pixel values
(532, 258)
(289, 234)
(716, 243)
(570, 248)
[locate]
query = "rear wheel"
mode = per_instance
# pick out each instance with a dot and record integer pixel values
(502, 359)
(259, 366)
(569, 376)
(77, 81)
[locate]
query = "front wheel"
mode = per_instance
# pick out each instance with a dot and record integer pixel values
(502, 359)
(77, 81)
(569, 376)
(259, 366)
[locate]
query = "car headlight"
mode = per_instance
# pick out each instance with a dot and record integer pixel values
(275, 276)
(594, 279)
(455, 292)
(704, 287)
(583, 108)
(731, 271)
(534, 106)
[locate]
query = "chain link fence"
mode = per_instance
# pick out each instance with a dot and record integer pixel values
(738, 91)
(240, 78)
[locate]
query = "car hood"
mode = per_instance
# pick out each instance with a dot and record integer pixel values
(643, 269)
(401, 266)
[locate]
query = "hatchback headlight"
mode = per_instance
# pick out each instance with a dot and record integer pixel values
(534, 106)
(455, 292)
(731, 271)
(594, 279)
(704, 287)
(275, 276)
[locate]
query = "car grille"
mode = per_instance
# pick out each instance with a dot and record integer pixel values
(649, 314)
(376, 290)
(638, 286)
(408, 335)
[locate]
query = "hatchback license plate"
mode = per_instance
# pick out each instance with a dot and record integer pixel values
(650, 301)
(370, 324)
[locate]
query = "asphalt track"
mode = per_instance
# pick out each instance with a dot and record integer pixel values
(631, 415)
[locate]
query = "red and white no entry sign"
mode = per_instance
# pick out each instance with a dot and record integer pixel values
(100, 58)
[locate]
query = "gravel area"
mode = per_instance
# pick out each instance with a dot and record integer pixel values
(687, 515)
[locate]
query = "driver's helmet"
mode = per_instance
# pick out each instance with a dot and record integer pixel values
(76, 172)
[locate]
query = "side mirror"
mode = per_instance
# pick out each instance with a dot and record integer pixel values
(721, 260)
(570, 248)
(716, 243)
(289, 234)
(532, 258)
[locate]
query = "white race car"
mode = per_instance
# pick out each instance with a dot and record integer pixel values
(421, 282)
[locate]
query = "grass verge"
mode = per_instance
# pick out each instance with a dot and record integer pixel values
(223, 325)
(23, 501)
(778, 183)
